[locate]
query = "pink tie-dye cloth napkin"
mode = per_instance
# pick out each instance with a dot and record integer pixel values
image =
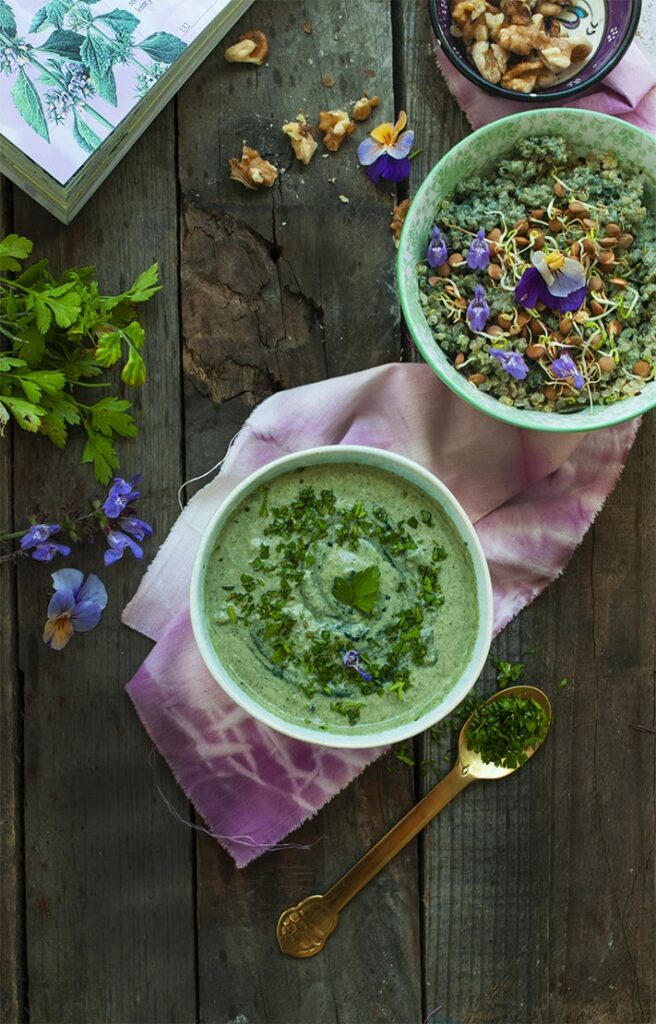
(629, 92)
(531, 497)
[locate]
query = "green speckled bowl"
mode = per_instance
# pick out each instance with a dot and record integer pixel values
(477, 154)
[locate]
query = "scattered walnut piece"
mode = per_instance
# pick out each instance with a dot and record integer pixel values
(336, 125)
(252, 171)
(307, 27)
(363, 107)
(252, 48)
(301, 137)
(398, 217)
(328, 81)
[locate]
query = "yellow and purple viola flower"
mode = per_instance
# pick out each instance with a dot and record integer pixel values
(478, 311)
(564, 367)
(555, 279)
(351, 659)
(75, 607)
(37, 542)
(385, 153)
(478, 257)
(512, 362)
(437, 252)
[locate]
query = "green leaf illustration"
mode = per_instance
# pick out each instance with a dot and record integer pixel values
(56, 11)
(39, 20)
(105, 86)
(120, 21)
(7, 19)
(64, 43)
(28, 104)
(96, 55)
(163, 46)
(84, 135)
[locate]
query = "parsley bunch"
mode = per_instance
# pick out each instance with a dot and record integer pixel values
(57, 336)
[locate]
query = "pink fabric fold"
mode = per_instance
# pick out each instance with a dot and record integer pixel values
(531, 497)
(629, 92)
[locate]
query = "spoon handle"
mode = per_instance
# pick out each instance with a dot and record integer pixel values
(350, 884)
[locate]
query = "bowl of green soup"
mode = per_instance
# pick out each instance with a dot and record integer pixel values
(527, 270)
(341, 596)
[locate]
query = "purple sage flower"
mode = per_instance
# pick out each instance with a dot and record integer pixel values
(478, 257)
(512, 362)
(554, 279)
(37, 542)
(75, 606)
(118, 543)
(121, 493)
(352, 660)
(565, 366)
(437, 252)
(478, 311)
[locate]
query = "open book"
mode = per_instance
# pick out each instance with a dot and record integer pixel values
(80, 80)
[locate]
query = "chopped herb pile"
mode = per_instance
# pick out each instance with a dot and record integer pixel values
(353, 650)
(503, 730)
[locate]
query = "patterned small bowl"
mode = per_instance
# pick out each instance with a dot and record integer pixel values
(479, 153)
(609, 25)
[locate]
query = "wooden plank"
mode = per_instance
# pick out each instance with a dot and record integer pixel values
(12, 910)
(277, 291)
(110, 912)
(539, 892)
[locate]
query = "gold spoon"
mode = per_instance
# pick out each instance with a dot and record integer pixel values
(303, 929)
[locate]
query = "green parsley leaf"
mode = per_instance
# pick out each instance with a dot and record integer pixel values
(101, 452)
(12, 249)
(359, 589)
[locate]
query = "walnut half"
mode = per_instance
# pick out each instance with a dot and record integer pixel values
(252, 48)
(252, 171)
(301, 138)
(336, 125)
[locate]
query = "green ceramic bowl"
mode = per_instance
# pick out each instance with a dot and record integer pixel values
(480, 153)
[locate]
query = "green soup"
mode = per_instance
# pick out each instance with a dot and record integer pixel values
(342, 598)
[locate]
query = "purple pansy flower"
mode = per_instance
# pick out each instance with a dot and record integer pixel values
(384, 154)
(554, 279)
(352, 660)
(478, 310)
(76, 606)
(565, 366)
(512, 362)
(478, 257)
(37, 541)
(121, 493)
(437, 252)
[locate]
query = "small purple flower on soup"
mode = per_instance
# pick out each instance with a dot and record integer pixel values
(512, 362)
(352, 660)
(75, 606)
(384, 154)
(557, 280)
(478, 311)
(565, 366)
(437, 252)
(478, 257)
(121, 493)
(37, 542)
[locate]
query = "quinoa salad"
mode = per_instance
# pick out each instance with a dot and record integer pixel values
(539, 280)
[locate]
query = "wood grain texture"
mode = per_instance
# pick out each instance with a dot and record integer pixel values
(12, 910)
(110, 918)
(277, 291)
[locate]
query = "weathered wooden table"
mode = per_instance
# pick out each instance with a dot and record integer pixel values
(531, 900)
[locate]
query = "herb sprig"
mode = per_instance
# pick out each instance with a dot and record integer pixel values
(61, 334)
(503, 730)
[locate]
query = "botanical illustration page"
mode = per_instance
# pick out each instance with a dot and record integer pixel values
(71, 70)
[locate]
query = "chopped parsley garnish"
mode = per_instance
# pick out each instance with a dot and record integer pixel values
(508, 672)
(503, 730)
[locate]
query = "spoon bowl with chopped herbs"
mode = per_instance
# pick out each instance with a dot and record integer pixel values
(527, 270)
(341, 596)
(498, 738)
